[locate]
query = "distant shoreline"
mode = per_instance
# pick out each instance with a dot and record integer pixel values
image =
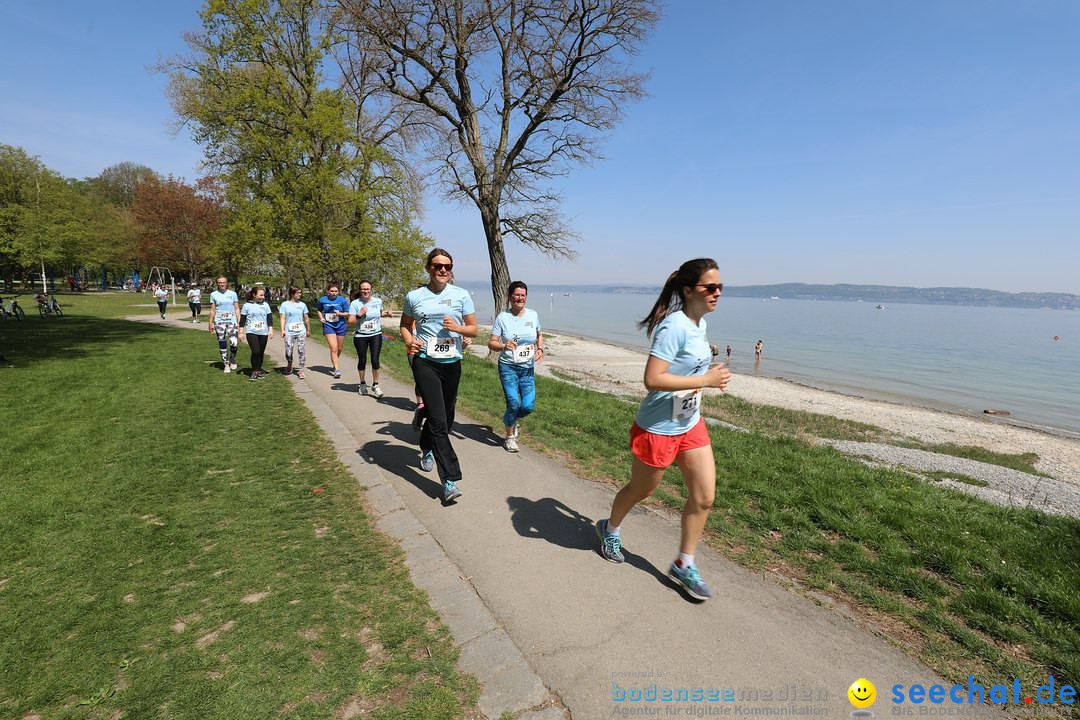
(612, 368)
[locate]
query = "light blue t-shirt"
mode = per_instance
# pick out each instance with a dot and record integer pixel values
(294, 314)
(224, 306)
(194, 296)
(161, 295)
(429, 309)
(335, 312)
(259, 316)
(370, 323)
(686, 346)
(523, 330)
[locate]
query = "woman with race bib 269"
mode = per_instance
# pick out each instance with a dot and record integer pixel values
(668, 427)
(443, 313)
(516, 336)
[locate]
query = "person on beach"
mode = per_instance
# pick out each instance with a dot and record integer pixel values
(517, 337)
(223, 318)
(295, 330)
(334, 315)
(668, 426)
(728, 352)
(757, 349)
(161, 295)
(443, 314)
(257, 328)
(194, 302)
(365, 312)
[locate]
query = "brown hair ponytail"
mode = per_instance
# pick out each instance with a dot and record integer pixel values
(671, 297)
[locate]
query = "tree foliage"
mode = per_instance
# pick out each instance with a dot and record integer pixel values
(505, 94)
(303, 188)
(177, 223)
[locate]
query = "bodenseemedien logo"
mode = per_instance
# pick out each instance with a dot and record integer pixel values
(862, 695)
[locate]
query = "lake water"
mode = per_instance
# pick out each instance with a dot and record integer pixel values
(960, 359)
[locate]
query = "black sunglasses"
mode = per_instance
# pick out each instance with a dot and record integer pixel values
(442, 266)
(711, 288)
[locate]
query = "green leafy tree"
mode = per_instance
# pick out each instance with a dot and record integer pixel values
(301, 188)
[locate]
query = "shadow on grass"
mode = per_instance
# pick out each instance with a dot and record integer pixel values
(36, 339)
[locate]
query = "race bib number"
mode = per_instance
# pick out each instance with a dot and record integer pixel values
(524, 353)
(444, 348)
(257, 325)
(369, 326)
(329, 317)
(226, 317)
(685, 404)
(295, 327)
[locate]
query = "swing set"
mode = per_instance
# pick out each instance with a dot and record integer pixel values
(161, 272)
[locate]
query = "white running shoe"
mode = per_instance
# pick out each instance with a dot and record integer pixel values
(227, 369)
(363, 388)
(232, 365)
(376, 391)
(511, 444)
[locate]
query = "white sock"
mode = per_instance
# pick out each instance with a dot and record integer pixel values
(610, 529)
(685, 560)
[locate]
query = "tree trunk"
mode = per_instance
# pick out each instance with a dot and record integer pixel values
(500, 273)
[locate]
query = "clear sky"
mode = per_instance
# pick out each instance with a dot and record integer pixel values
(925, 143)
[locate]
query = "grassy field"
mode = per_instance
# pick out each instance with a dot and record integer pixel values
(179, 543)
(966, 586)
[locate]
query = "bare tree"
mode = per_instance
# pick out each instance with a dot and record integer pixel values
(504, 95)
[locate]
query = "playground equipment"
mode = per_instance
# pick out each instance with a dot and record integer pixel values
(161, 272)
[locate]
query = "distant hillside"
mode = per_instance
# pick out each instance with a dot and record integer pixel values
(890, 294)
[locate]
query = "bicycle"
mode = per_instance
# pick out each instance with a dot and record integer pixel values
(11, 309)
(48, 306)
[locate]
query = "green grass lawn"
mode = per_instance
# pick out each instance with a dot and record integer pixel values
(164, 552)
(966, 586)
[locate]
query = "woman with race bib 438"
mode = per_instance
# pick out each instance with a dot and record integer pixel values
(365, 312)
(443, 314)
(668, 427)
(517, 337)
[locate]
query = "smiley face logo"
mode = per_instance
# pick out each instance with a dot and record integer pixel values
(862, 693)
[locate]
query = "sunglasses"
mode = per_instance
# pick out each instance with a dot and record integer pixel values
(442, 266)
(711, 288)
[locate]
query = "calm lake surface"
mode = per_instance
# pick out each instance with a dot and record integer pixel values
(960, 359)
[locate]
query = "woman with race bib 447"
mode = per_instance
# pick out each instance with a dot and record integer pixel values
(365, 312)
(443, 314)
(517, 337)
(668, 427)
(257, 328)
(224, 309)
(334, 315)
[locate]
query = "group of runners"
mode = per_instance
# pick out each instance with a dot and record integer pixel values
(438, 320)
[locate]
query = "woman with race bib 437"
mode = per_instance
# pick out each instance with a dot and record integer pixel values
(517, 337)
(668, 427)
(334, 315)
(443, 314)
(365, 312)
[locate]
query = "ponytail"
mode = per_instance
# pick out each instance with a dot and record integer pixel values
(671, 295)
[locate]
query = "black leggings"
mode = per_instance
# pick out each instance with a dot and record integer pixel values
(196, 309)
(258, 350)
(362, 343)
(162, 304)
(438, 384)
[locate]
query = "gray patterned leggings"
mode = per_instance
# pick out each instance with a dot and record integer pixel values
(228, 337)
(295, 341)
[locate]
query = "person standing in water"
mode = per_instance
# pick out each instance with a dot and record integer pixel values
(668, 427)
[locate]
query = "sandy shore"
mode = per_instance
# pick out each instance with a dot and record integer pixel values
(613, 369)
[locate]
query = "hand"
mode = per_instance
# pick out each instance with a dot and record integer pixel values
(415, 344)
(539, 354)
(449, 324)
(466, 341)
(512, 345)
(210, 326)
(718, 376)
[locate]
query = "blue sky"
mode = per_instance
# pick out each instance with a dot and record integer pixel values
(917, 143)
